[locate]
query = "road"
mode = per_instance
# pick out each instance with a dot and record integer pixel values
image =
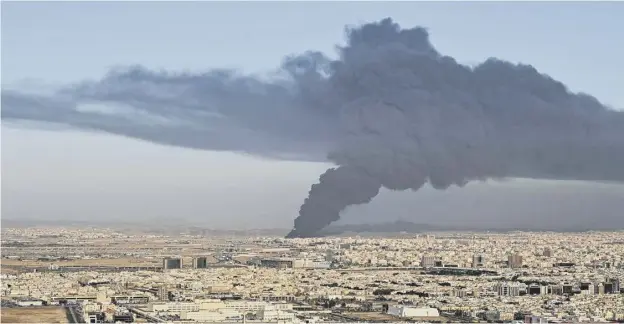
(72, 315)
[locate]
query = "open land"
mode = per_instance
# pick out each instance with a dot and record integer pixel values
(43, 314)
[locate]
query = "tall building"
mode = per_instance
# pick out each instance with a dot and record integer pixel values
(172, 263)
(478, 261)
(547, 252)
(608, 288)
(534, 289)
(587, 288)
(616, 285)
(330, 256)
(200, 263)
(163, 293)
(556, 289)
(505, 289)
(514, 261)
(427, 261)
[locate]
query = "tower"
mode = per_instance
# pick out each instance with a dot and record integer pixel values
(514, 261)
(200, 263)
(163, 293)
(427, 261)
(172, 263)
(478, 260)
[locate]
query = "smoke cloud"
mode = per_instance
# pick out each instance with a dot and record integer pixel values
(390, 111)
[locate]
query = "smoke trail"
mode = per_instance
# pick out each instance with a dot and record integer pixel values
(337, 189)
(217, 110)
(414, 116)
(391, 112)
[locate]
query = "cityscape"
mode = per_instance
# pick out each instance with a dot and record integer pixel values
(99, 275)
(311, 162)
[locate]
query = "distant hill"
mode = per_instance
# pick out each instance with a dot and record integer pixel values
(168, 226)
(391, 227)
(402, 226)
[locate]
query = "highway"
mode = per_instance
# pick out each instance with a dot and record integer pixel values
(72, 316)
(153, 319)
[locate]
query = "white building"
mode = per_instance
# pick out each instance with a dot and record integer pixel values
(505, 289)
(175, 307)
(28, 302)
(211, 316)
(310, 264)
(272, 314)
(246, 305)
(403, 311)
(427, 261)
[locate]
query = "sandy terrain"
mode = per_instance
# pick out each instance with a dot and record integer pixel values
(87, 262)
(385, 317)
(33, 315)
(5, 270)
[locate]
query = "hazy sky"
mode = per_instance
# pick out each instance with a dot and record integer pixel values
(71, 175)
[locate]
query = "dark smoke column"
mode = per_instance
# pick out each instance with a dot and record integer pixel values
(337, 188)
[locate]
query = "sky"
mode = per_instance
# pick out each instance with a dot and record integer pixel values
(65, 174)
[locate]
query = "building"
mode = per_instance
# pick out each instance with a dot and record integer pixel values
(514, 261)
(205, 316)
(244, 306)
(172, 263)
(427, 261)
(616, 285)
(215, 287)
(123, 318)
(95, 317)
(404, 311)
(175, 307)
(200, 263)
(506, 289)
(163, 293)
(587, 288)
(567, 288)
(277, 298)
(534, 289)
(277, 263)
(556, 290)
(125, 300)
(478, 261)
(534, 319)
(271, 313)
(461, 293)
(286, 263)
(29, 302)
(330, 256)
(311, 264)
(547, 253)
(491, 316)
(609, 288)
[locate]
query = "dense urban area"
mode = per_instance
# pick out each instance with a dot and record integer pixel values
(96, 275)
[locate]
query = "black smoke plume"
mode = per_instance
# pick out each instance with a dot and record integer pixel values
(390, 111)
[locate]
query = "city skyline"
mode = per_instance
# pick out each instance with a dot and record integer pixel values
(106, 274)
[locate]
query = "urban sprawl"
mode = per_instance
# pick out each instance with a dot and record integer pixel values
(95, 275)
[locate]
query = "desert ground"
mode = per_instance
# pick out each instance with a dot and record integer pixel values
(85, 262)
(43, 314)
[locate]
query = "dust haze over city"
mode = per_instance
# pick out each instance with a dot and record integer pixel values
(479, 139)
